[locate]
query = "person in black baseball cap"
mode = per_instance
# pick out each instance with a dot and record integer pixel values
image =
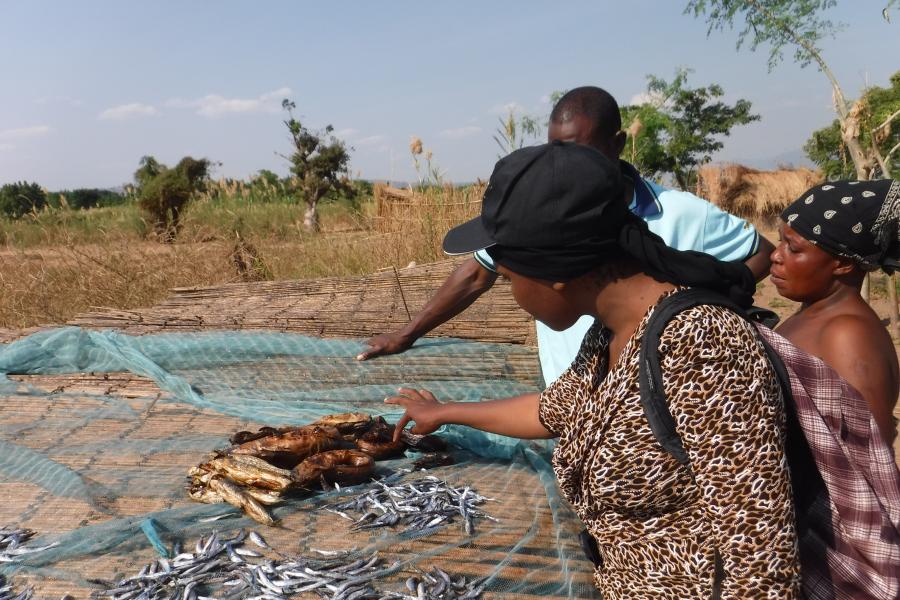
(553, 212)
(553, 221)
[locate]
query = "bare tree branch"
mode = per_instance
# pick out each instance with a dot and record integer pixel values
(809, 52)
(887, 159)
(887, 121)
(840, 102)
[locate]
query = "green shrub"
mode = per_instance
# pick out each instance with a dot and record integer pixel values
(20, 198)
(163, 192)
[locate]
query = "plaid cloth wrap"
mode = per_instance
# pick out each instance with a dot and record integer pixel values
(849, 528)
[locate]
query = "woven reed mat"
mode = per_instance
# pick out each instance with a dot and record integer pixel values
(331, 307)
(132, 445)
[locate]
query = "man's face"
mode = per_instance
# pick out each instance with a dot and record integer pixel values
(579, 129)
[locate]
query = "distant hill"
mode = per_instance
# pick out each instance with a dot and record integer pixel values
(792, 158)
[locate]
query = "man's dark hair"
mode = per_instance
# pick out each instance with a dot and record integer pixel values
(596, 104)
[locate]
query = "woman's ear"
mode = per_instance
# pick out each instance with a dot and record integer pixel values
(844, 266)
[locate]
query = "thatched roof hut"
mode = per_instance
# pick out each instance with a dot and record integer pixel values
(756, 195)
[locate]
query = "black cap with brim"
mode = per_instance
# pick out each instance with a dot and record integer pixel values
(481, 231)
(552, 196)
(471, 236)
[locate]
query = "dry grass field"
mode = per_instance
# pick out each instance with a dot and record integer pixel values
(59, 263)
(56, 264)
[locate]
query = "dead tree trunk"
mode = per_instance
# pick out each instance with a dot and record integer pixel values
(311, 217)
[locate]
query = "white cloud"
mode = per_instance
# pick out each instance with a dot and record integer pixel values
(25, 132)
(58, 100)
(503, 109)
(135, 110)
(372, 140)
(6, 147)
(346, 132)
(213, 105)
(461, 132)
(654, 99)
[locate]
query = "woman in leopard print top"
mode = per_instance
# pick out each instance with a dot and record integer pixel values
(723, 527)
(656, 521)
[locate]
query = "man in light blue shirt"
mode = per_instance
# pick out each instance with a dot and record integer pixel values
(590, 116)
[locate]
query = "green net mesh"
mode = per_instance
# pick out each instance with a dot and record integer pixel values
(96, 461)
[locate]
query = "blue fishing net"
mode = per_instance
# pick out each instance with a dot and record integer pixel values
(98, 465)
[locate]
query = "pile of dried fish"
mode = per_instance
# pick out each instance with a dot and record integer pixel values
(227, 569)
(261, 467)
(420, 504)
(256, 471)
(12, 548)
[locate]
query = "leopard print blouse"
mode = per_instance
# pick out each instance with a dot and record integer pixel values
(658, 524)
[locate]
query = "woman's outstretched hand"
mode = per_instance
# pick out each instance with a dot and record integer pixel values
(513, 417)
(421, 406)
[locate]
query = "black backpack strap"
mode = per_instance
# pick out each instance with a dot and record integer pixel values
(763, 316)
(784, 380)
(653, 396)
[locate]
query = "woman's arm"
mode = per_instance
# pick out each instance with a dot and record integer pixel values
(513, 417)
(850, 346)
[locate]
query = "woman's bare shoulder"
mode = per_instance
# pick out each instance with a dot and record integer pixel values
(860, 349)
(859, 332)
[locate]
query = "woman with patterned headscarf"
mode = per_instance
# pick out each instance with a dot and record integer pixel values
(831, 237)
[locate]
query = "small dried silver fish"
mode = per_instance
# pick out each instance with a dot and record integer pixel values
(224, 569)
(258, 540)
(218, 517)
(418, 505)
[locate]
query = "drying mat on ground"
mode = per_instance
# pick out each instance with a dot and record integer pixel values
(330, 307)
(97, 437)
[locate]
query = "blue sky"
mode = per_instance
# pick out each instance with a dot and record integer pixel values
(89, 87)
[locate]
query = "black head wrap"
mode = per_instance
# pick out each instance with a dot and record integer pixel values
(557, 211)
(854, 219)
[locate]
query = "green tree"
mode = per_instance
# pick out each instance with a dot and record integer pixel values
(148, 168)
(646, 126)
(163, 192)
(799, 25)
(84, 198)
(680, 128)
(318, 164)
(267, 177)
(880, 142)
(20, 198)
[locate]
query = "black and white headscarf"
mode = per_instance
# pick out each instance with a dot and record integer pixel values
(854, 219)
